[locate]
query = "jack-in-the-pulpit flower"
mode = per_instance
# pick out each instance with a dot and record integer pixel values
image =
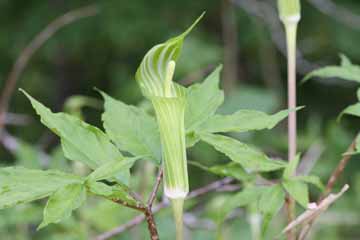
(155, 78)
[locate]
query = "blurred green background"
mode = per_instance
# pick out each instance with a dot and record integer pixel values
(105, 50)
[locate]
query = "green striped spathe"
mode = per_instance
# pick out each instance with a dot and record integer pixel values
(170, 112)
(155, 79)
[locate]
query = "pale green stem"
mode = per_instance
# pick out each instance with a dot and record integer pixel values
(291, 29)
(178, 207)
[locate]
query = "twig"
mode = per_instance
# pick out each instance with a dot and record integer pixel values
(138, 207)
(339, 169)
(331, 183)
(215, 186)
(33, 46)
(149, 216)
(156, 188)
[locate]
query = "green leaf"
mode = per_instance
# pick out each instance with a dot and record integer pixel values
(240, 199)
(243, 121)
(113, 193)
(351, 110)
(298, 190)
(153, 70)
(231, 169)
(250, 158)
(111, 169)
(131, 128)
(20, 185)
(80, 141)
(61, 204)
(346, 70)
(314, 180)
(270, 202)
(290, 169)
(203, 100)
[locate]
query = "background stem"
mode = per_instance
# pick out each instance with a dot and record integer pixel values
(291, 48)
(291, 28)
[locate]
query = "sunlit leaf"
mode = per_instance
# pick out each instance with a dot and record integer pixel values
(203, 100)
(250, 158)
(314, 180)
(61, 204)
(242, 121)
(231, 169)
(132, 129)
(111, 169)
(110, 192)
(346, 70)
(20, 185)
(298, 190)
(80, 141)
(290, 169)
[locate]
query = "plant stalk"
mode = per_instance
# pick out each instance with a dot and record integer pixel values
(291, 34)
(178, 206)
(151, 224)
(291, 29)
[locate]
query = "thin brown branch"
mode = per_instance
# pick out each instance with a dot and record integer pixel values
(149, 217)
(339, 169)
(330, 184)
(138, 207)
(32, 47)
(147, 214)
(156, 188)
(215, 186)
